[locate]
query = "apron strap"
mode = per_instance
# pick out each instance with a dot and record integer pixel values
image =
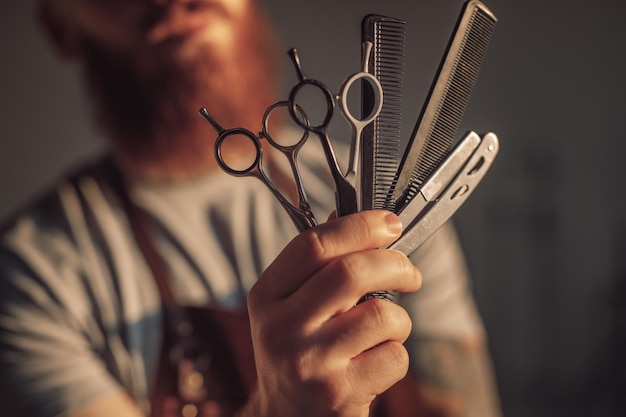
(206, 365)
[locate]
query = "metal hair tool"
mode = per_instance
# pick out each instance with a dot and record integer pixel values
(443, 193)
(432, 181)
(446, 189)
(440, 118)
(375, 90)
(301, 215)
(381, 140)
(345, 185)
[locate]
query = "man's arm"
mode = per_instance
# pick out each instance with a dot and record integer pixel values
(117, 404)
(46, 365)
(455, 378)
(448, 345)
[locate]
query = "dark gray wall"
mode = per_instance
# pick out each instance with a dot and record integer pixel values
(544, 233)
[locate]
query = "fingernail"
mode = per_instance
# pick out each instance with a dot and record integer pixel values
(394, 225)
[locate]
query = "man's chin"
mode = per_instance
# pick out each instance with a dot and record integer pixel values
(148, 104)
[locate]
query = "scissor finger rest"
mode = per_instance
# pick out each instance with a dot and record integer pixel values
(229, 167)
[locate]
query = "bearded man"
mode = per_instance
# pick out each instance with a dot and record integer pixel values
(92, 274)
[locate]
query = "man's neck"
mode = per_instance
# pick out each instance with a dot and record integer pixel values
(182, 166)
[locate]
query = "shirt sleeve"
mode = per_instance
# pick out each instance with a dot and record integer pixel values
(48, 364)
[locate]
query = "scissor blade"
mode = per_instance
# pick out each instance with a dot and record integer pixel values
(439, 203)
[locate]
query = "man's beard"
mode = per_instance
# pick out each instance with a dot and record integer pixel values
(148, 103)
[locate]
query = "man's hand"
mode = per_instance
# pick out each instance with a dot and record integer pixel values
(319, 353)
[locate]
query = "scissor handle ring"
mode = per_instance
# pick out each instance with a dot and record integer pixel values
(265, 131)
(255, 164)
(378, 97)
(293, 106)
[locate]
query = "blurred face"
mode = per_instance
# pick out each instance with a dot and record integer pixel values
(132, 25)
(151, 64)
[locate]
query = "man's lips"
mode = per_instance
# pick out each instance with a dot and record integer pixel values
(185, 20)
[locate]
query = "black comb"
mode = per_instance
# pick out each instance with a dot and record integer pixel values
(440, 118)
(380, 150)
(380, 146)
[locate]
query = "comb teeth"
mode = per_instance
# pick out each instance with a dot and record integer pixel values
(381, 144)
(437, 125)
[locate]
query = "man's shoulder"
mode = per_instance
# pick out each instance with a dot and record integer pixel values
(51, 213)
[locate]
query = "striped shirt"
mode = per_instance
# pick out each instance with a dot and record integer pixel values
(80, 313)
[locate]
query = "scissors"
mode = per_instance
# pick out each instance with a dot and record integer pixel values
(302, 216)
(353, 174)
(347, 187)
(438, 197)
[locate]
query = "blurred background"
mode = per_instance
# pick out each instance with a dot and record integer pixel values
(544, 233)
